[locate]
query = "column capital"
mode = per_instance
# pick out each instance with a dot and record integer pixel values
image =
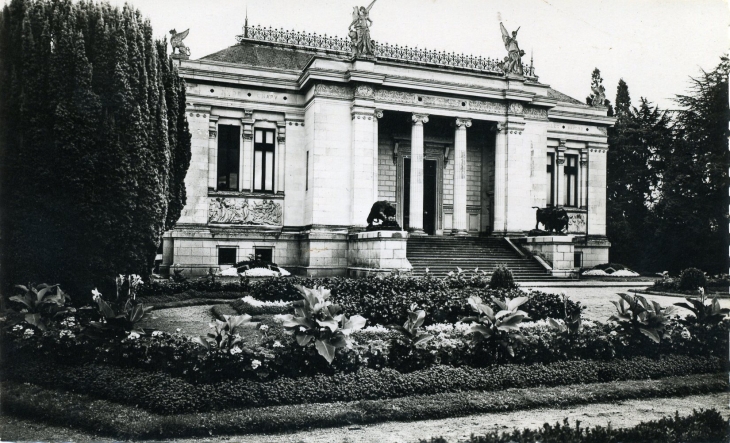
(419, 119)
(378, 113)
(561, 144)
(584, 156)
(247, 115)
(462, 123)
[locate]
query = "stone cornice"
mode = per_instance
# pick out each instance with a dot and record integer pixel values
(560, 114)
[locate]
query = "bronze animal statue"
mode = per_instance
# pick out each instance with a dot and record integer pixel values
(553, 219)
(176, 41)
(382, 217)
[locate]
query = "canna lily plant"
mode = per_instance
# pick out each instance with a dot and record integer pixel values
(225, 336)
(411, 329)
(704, 314)
(317, 319)
(122, 315)
(41, 303)
(499, 328)
(572, 323)
(637, 315)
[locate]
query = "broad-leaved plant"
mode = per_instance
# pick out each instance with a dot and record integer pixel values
(500, 328)
(636, 315)
(411, 329)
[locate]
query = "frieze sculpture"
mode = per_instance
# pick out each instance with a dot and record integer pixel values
(513, 62)
(176, 41)
(240, 211)
(554, 220)
(362, 44)
(382, 217)
(577, 222)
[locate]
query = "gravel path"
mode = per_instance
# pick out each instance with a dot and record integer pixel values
(191, 320)
(598, 300)
(620, 414)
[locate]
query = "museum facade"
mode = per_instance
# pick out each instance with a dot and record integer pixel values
(294, 138)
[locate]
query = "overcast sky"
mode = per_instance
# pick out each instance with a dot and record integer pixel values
(654, 45)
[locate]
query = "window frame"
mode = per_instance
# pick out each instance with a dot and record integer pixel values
(228, 135)
(550, 170)
(264, 148)
(235, 255)
(571, 180)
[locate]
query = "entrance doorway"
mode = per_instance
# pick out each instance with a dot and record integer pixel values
(430, 175)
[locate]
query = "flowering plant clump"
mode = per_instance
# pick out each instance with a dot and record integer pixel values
(121, 315)
(42, 303)
(704, 313)
(225, 335)
(637, 315)
(411, 330)
(318, 320)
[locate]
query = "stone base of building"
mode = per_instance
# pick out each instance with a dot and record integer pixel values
(564, 255)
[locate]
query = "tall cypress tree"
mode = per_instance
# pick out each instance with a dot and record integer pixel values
(91, 162)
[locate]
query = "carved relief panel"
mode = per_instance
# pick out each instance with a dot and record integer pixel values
(244, 211)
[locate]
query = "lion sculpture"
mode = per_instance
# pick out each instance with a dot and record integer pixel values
(553, 219)
(382, 217)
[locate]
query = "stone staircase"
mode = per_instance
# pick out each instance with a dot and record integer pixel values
(443, 254)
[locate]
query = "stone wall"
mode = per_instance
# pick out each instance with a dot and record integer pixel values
(557, 251)
(377, 251)
(386, 170)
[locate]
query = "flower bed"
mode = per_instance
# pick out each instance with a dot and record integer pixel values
(162, 393)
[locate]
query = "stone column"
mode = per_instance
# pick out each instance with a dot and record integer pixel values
(582, 178)
(500, 178)
(376, 148)
(415, 219)
(280, 157)
(213, 152)
(597, 189)
(460, 216)
(560, 173)
(246, 159)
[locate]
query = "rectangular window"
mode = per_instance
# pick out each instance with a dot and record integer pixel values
(263, 160)
(571, 180)
(306, 183)
(228, 157)
(226, 256)
(551, 183)
(266, 255)
(578, 259)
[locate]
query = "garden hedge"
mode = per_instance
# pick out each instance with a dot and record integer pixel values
(128, 422)
(162, 393)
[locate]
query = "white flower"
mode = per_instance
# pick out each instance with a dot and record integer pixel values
(177, 330)
(66, 333)
(17, 328)
(255, 364)
(157, 333)
(258, 303)
(686, 335)
(28, 333)
(96, 294)
(235, 350)
(264, 327)
(614, 333)
(302, 329)
(133, 335)
(277, 344)
(702, 291)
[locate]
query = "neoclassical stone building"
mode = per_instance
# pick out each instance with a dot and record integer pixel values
(294, 139)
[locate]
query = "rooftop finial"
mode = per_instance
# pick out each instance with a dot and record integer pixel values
(245, 24)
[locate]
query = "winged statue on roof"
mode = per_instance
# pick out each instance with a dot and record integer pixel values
(176, 41)
(513, 62)
(359, 31)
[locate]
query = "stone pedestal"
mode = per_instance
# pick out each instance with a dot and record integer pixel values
(557, 250)
(377, 252)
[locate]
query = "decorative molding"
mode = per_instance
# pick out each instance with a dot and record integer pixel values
(576, 223)
(534, 113)
(364, 91)
(212, 133)
(515, 108)
(463, 123)
(335, 91)
(419, 119)
(364, 115)
(602, 130)
(378, 113)
(248, 115)
(409, 98)
(386, 95)
(242, 211)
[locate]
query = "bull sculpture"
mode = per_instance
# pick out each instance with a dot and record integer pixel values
(553, 219)
(382, 217)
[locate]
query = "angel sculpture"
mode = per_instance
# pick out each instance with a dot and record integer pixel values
(513, 62)
(176, 41)
(599, 96)
(359, 29)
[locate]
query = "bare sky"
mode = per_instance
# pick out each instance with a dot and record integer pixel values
(654, 45)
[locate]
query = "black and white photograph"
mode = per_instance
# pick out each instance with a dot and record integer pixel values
(354, 221)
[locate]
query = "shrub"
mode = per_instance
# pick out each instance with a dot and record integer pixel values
(692, 279)
(502, 278)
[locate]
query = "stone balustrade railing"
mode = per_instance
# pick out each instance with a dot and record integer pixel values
(382, 50)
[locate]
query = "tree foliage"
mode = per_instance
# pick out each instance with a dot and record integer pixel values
(95, 143)
(667, 179)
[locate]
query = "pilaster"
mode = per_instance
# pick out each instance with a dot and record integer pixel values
(212, 152)
(597, 189)
(247, 152)
(582, 178)
(280, 157)
(560, 173)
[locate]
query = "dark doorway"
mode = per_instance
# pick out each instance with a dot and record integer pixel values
(430, 174)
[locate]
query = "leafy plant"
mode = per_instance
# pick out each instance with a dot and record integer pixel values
(502, 278)
(636, 315)
(178, 274)
(692, 279)
(225, 336)
(411, 329)
(500, 328)
(123, 314)
(704, 314)
(572, 323)
(317, 319)
(42, 302)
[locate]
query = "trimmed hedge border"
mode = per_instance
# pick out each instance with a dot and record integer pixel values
(158, 391)
(190, 302)
(125, 422)
(702, 426)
